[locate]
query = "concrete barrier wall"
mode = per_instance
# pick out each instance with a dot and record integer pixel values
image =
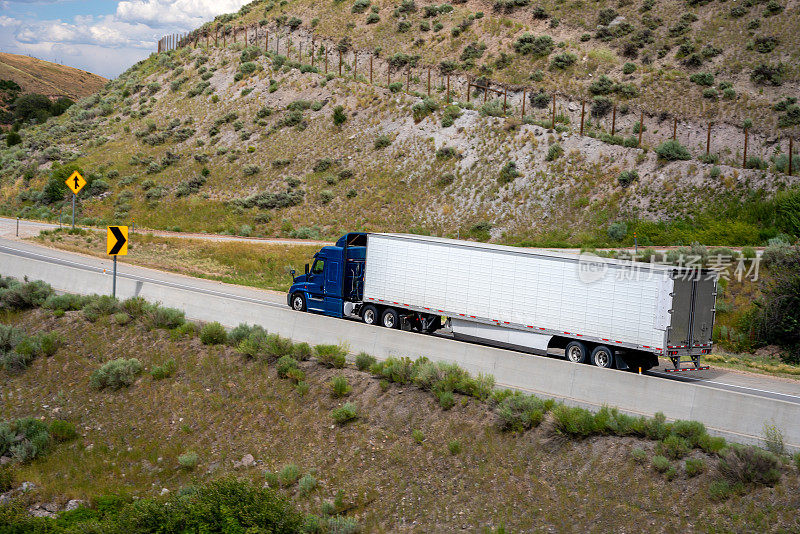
(737, 416)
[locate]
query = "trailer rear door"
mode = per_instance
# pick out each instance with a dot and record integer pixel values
(692, 313)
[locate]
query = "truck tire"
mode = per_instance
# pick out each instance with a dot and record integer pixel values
(603, 356)
(298, 302)
(390, 318)
(576, 352)
(370, 314)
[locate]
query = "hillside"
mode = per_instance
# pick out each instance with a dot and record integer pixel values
(49, 79)
(189, 413)
(220, 138)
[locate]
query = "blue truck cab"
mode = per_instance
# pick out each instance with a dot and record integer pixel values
(334, 283)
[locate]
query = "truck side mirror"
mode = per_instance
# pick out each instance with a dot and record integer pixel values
(292, 272)
(306, 268)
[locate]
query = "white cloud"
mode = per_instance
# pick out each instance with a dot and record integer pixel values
(186, 14)
(107, 44)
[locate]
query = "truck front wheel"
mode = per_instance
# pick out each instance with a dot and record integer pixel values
(298, 302)
(370, 314)
(390, 318)
(603, 356)
(576, 352)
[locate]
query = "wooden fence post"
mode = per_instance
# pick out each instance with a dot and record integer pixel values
(234, 35)
(614, 121)
(388, 75)
(224, 39)
(469, 88)
(340, 62)
(675, 129)
(448, 87)
(370, 69)
(300, 52)
(523, 104)
(744, 158)
(583, 113)
(553, 123)
(485, 92)
(326, 60)
(313, 50)
(641, 127)
(355, 65)
(790, 156)
(408, 78)
(708, 140)
(505, 97)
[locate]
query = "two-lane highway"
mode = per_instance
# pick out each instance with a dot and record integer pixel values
(759, 385)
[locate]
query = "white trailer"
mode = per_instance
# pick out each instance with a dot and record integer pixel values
(613, 313)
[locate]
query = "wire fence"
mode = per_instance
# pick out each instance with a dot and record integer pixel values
(615, 123)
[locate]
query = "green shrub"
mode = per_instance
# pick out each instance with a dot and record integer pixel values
(661, 464)
(23, 296)
(213, 334)
(694, 467)
(339, 386)
(574, 421)
(158, 316)
(446, 399)
(626, 178)
(288, 475)
(628, 68)
(418, 436)
(519, 412)
(364, 361)
(536, 45)
(749, 465)
(601, 106)
(345, 413)
(188, 460)
(31, 439)
(307, 484)
(672, 150)
(454, 447)
(554, 152)
(702, 78)
(9, 337)
(508, 173)
(284, 365)
(65, 302)
(116, 374)
(674, 447)
(754, 162)
(62, 431)
(339, 116)
(446, 152)
(160, 372)
(617, 231)
(766, 74)
(331, 355)
(711, 444)
(639, 456)
(382, 141)
(302, 351)
(563, 61)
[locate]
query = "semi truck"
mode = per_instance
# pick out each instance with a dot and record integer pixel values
(607, 312)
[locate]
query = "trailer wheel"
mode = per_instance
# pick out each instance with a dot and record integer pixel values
(576, 352)
(390, 318)
(603, 356)
(298, 302)
(370, 314)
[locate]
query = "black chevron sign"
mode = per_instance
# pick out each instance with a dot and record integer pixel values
(117, 240)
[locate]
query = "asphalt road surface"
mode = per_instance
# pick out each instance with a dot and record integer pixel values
(754, 384)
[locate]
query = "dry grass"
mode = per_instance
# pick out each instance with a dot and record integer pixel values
(264, 266)
(37, 76)
(223, 407)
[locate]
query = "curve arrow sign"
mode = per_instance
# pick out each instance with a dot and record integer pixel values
(117, 240)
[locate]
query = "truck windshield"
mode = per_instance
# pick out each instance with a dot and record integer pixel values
(319, 266)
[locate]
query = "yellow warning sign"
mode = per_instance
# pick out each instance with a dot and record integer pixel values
(75, 182)
(117, 240)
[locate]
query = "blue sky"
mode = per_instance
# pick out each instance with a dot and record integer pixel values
(100, 36)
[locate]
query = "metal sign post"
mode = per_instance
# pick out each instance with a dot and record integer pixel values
(116, 245)
(75, 182)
